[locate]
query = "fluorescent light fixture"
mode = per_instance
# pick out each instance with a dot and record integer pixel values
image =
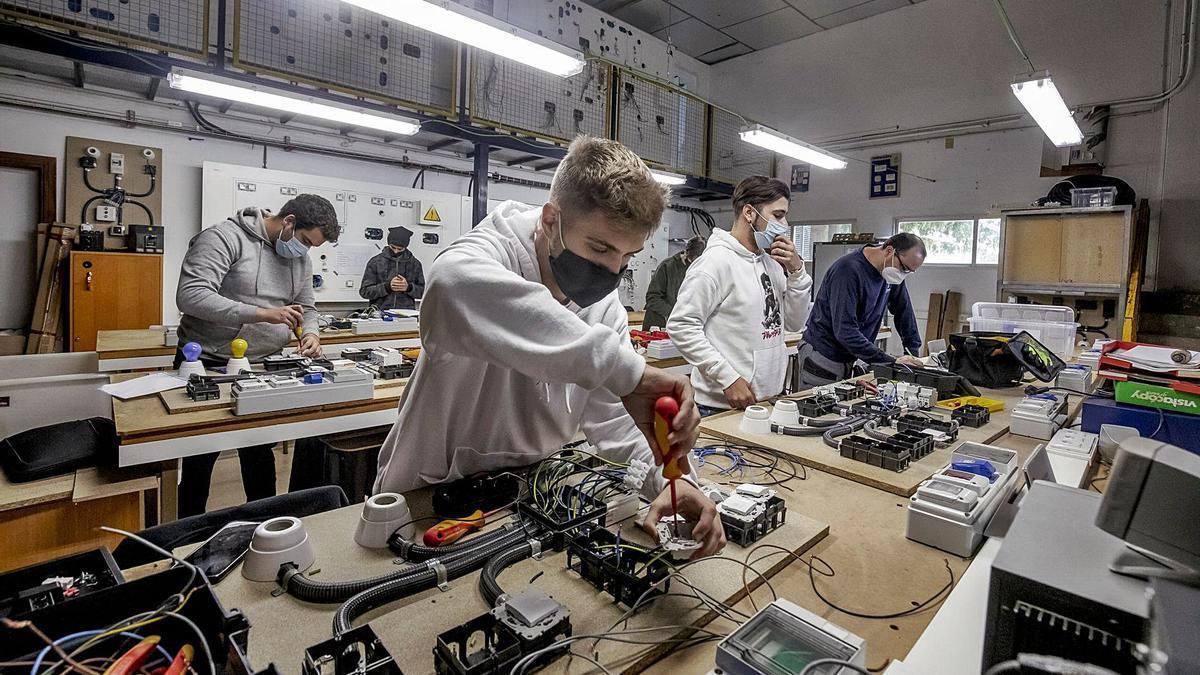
(770, 139)
(1040, 97)
(481, 31)
(668, 178)
(252, 94)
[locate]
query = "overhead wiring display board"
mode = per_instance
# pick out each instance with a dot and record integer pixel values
(337, 46)
(663, 124)
(515, 97)
(180, 26)
(730, 159)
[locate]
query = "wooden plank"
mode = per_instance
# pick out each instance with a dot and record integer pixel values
(1032, 249)
(1093, 249)
(20, 495)
(951, 313)
(177, 401)
(93, 483)
(933, 319)
(1137, 272)
(282, 627)
(136, 181)
(811, 450)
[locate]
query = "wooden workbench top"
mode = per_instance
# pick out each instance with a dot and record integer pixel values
(117, 344)
(145, 419)
(281, 627)
(812, 451)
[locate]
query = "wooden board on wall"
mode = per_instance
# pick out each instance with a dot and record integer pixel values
(1093, 248)
(950, 314)
(135, 181)
(933, 322)
(1032, 249)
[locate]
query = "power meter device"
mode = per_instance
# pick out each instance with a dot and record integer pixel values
(783, 638)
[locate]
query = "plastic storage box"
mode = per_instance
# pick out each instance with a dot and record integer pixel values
(1093, 197)
(937, 519)
(1051, 325)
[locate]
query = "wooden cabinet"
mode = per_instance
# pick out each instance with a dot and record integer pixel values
(112, 291)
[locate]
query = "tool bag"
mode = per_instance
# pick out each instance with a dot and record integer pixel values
(984, 359)
(59, 449)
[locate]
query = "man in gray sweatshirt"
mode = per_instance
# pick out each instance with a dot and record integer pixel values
(250, 276)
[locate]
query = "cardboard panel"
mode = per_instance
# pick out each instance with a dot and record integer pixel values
(1093, 248)
(1032, 249)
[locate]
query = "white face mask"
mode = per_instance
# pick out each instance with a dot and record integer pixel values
(894, 275)
(765, 237)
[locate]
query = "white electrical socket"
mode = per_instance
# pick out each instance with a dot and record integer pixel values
(116, 163)
(106, 214)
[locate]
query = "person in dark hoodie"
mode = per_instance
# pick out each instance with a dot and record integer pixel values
(394, 278)
(250, 276)
(664, 284)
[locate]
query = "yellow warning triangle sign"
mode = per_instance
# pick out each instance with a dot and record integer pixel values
(432, 215)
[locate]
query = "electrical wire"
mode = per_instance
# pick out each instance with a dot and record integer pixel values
(812, 667)
(1012, 34)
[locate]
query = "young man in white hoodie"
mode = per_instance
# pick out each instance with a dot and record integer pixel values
(737, 300)
(525, 343)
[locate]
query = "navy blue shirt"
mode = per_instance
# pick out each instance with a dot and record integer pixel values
(849, 310)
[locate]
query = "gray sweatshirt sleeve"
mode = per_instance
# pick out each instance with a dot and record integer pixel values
(208, 259)
(304, 298)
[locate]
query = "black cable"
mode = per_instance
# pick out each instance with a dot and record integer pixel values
(83, 211)
(863, 615)
(149, 216)
(489, 585)
(87, 182)
(147, 193)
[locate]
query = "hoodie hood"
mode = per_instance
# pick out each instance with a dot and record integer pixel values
(515, 222)
(252, 219)
(725, 239)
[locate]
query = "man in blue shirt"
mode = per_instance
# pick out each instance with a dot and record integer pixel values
(846, 316)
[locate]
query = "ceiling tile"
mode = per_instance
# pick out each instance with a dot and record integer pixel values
(818, 8)
(649, 15)
(716, 56)
(722, 13)
(862, 11)
(771, 29)
(694, 38)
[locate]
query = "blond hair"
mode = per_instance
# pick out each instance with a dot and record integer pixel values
(602, 175)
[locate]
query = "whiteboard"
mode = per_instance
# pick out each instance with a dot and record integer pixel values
(365, 212)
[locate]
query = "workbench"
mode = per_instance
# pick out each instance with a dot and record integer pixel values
(281, 626)
(125, 350)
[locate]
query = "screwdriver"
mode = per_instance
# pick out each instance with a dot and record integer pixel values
(665, 410)
(452, 529)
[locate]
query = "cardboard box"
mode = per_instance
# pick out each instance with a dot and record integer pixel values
(12, 344)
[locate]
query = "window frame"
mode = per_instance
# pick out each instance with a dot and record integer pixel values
(853, 222)
(974, 236)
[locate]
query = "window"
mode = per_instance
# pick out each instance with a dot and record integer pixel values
(957, 241)
(804, 234)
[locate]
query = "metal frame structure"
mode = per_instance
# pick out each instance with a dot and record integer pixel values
(456, 125)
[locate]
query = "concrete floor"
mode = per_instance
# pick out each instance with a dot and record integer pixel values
(227, 478)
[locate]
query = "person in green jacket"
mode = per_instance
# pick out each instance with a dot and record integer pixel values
(664, 285)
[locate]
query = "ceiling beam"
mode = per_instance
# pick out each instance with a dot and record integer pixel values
(443, 143)
(77, 74)
(545, 165)
(152, 90)
(522, 160)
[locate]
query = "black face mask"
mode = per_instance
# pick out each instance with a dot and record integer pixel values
(584, 282)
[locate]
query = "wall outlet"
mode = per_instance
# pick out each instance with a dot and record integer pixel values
(106, 214)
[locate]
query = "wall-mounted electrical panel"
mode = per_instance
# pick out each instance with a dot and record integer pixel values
(336, 45)
(114, 187)
(511, 96)
(662, 124)
(180, 26)
(365, 212)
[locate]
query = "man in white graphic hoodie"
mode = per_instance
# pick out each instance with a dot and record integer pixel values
(524, 342)
(737, 300)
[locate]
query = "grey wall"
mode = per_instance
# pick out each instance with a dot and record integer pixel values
(19, 195)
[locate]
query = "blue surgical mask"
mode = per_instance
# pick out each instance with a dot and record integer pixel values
(292, 248)
(767, 236)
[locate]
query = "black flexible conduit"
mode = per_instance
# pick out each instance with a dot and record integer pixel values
(419, 580)
(327, 592)
(414, 552)
(851, 425)
(873, 432)
(489, 587)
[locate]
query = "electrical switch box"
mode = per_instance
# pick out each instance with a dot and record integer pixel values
(116, 164)
(106, 214)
